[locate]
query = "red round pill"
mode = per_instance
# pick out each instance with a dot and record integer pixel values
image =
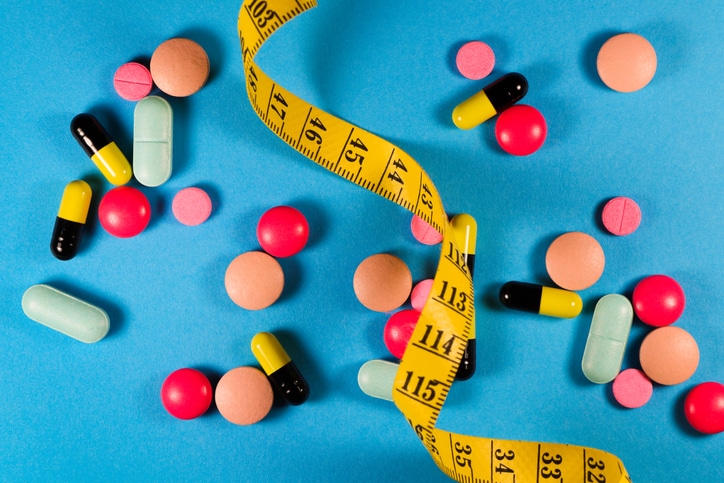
(704, 407)
(282, 231)
(398, 331)
(521, 130)
(621, 216)
(658, 300)
(124, 212)
(186, 393)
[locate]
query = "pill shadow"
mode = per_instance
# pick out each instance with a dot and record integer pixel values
(679, 416)
(214, 375)
(538, 259)
(293, 277)
(580, 333)
(589, 54)
(92, 226)
(598, 216)
(317, 218)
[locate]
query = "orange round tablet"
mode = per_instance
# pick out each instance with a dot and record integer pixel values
(254, 280)
(244, 396)
(669, 355)
(626, 62)
(382, 282)
(575, 261)
(179, 67)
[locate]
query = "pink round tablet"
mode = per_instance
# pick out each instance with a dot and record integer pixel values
(475, 60)
(244, 396)
(186, 393)
(398, 330)
(191, 206)
(424, 232)
(575, 261)
(621, 216)
(124, 212)
(254, 280)
(420, 293)
(133, 81)
(632, 389)
(282, 231)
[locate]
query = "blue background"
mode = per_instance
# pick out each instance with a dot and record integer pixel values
(76, 412)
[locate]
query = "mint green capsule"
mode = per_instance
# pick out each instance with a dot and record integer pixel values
(377, 377)
(152, 141)
(606, 344)
(65, 313)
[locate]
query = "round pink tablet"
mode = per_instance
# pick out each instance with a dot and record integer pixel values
(424, 232)
(191, 206)
(669, 355)
(254, 280)
(475, 60)
(382, 282)
(244, 396)
(133, 81)
(420, 293)
(621, 216)
(632, 389)
(575, 261)
(626, 62)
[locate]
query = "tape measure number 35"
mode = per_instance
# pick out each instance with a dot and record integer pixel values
(428, 367)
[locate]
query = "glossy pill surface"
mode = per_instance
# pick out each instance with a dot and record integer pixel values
(398, 330)
(621, 216)
(282, 231)
(538, 299)
(70, 222)
(376, 378)
(626, 62)
(152, 141)
(279, 367)
(382, 282)
(100, 147)
(492, 100)
(66, 314)
(244, 396)
(669, 355)
(521, 130)
(133, 81)
(575, 261)
(658, 300)
(180, 67)
(607, 338)
(254, 280)
(704, 407)
(124, 212)
(186, 393)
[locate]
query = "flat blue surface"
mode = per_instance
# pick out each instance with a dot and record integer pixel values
(76, 412)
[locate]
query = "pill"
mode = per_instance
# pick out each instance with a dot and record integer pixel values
(607, 337)
(376, 378)
(66, 314)
(280, 368)
(669, 355)
(538, 299)
(704, 407)
(621, 216)
(475, 60)
(124, 212)
(420, 293)
(632, 389)
(244, 396)
(658, 300)
(179, 67)
(133, 81)
(626, 62)
(382, 282)
(254, 280)
(493, 99)
(282, 231)
(575, 261)
(191, 206)
(70, 222)
(424, 232)
(186, 393)
(152, 141)
(465, 232)
(100, 147)
(521, 130)
(398, 330)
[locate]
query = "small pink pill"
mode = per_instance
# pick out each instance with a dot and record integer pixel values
(475, 60)
(632, 388)
(621, 216)
(191, 206)
(133, 81)
(424, 232)
(420, 293)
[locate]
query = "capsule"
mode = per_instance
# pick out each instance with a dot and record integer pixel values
(376, 378)
(152, 141)
(607, 338)
(492, 100)
(279, 368)
(465, 230)
(531, 297)
(101, 148)
(70, 222)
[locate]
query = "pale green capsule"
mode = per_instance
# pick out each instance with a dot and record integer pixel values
(377, 377)
(606, 344)
(152, 141)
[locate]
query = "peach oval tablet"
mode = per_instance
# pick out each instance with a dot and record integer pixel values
(575, 261)
(626, 62)
(179, 67)
(254, 280)
(382, 282)
(244, 396)
(669, 355)
(632, 389)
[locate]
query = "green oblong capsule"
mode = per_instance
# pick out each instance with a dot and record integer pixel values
(152, 141)
(376, 378)
(607, 337)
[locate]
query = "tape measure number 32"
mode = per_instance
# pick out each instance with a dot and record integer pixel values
(428, 367)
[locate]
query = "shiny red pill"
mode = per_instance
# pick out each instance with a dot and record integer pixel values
(398, 330)
(658, 300)
(186, 393)
(282, 231)
(704, 407)
(124, 212)
(521, 130)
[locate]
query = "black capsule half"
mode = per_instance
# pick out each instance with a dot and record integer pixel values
(69, 223)
(506, 91)
(290, 383)
(538, 299)
(521, 296)
(89, 133)
(66, 238)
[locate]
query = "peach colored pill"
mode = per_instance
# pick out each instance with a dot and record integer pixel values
(132, 81)
(179, 67)
(632, 389)
(424, 232)
(382, 282)
(575, 261)
(621, 216)
(626, 62)
(254, 280)
(191, 206)
(669, 355)
(475, 60)
(420, 293)
(244, 396)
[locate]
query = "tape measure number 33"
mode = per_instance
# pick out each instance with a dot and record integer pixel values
(429, 365)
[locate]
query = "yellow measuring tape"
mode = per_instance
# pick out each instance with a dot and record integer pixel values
(429, 365)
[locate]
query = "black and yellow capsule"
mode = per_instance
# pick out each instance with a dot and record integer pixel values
(465, 231)
(492, 100)
(279, 368)
(101, 148)
(531, 297)
(70, 222)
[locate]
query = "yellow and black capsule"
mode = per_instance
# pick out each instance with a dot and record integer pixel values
(465, 230)
(531, 297)
(492, 100)
(101, 148)
(70, 222)
(279, 368)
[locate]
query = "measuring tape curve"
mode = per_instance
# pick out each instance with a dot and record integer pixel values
(428, 367)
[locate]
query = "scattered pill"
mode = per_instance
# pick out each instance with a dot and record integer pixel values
(244, 396)
(493, 99)
(475, 60)
(521, 130)
(152, 141)
(282, 231)
(65, 313)
(254, 280)
(575, 261)
(607, 337)
(632, 389)
(626, 62)
(70, 222)
(704, 407)
(279, 367)
(382, 282)
(669, 355)
(186, 393)
(658, 300)
(398, 330)
(179, 67)
(124, 212)
(621, 216)
(191, 206)
(424, 232)
(465, 232)
(376, 378)
(420, 293)
(133, 81)
(100, 147)
(531, 297)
